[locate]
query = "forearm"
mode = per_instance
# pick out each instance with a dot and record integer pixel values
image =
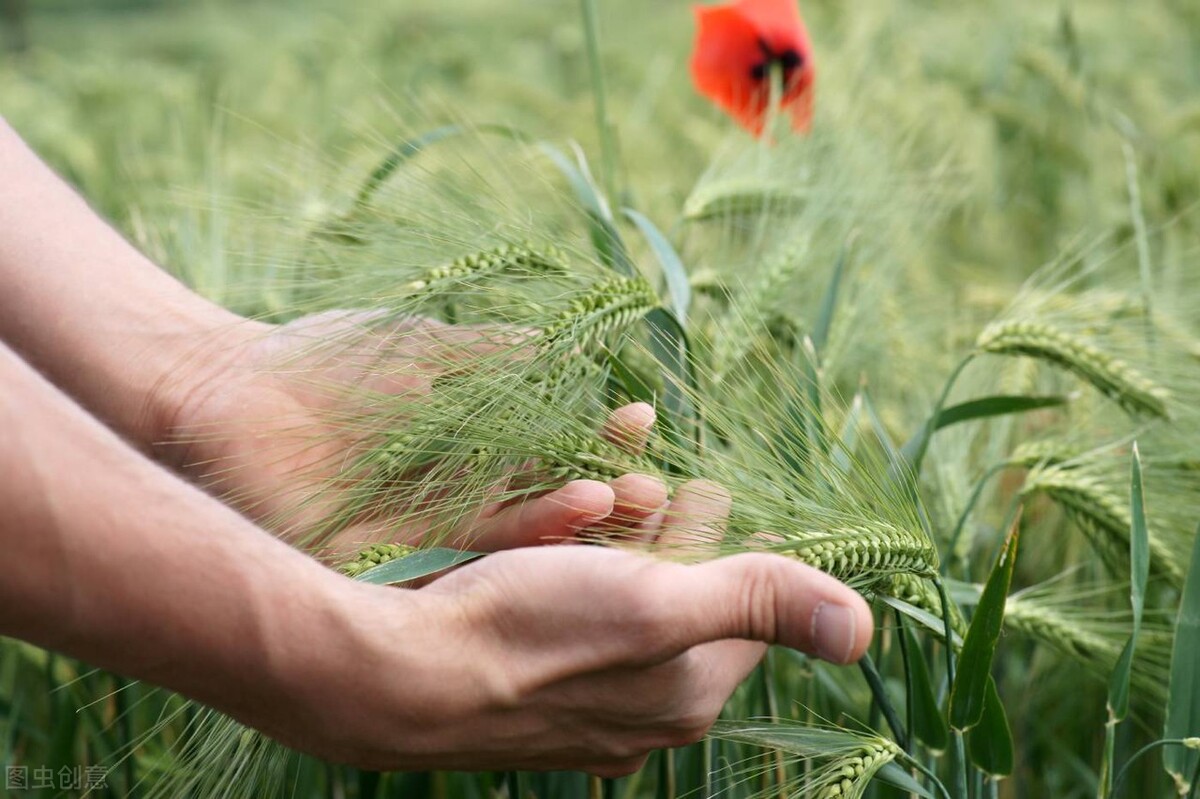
(113, 560)
(88, 310)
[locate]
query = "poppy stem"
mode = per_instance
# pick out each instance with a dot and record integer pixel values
(775, 78)
(591, 31)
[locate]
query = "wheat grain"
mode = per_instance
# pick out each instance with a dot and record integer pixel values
(1111, 376)
(850, 774)
(1103, 517)
(850, 553)
(372, 556)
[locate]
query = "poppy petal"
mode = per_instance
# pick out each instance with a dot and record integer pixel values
(726, 52)
(734, 45)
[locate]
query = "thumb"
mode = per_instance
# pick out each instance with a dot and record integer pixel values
(773, 599)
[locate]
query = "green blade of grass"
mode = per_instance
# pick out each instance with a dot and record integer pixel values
(895, 775)
(990, 742)
(669, 344)
(673, 270)
(420, 563)
(820, 333)
(929, 725)
(1139, 549)
(979, 647)
(601, 227)
(630, 381)
(921, 616)
(982, 408)
(1183, 695)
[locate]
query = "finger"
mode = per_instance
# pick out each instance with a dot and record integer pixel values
(618, 768)
(629, 426)
(767, 598)
(695, 520)
(550, 518)
(727, 664)
(639, 501)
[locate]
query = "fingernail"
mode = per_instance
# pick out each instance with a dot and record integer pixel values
(833, 632)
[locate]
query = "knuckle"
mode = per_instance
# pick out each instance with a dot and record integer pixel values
(759, 597)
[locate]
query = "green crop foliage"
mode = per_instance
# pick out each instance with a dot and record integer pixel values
(987, 247)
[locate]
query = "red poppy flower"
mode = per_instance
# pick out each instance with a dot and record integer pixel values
(739, 45)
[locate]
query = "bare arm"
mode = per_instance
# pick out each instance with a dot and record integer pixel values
(579, 657)
(90, 311)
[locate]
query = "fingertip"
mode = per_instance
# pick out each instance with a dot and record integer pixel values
(637, 414)
(639, 494)
(841, 624)
(588, 501)
(629, 426)
(841, 629)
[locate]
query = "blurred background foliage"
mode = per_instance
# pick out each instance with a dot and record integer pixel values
(181, 120)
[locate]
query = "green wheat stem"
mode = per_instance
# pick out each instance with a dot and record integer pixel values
(960, 754)
(1150, 747)
(591, 29)
(1142, 239)
(913, 762)
(909, 690)
(879, 694)
(931, 422)
(961, 524)
(771, 700)
(1106, 765)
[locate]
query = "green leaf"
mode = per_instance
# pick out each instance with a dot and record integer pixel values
(975, 660)
(668, 343)
(982, 408)
(673, 270)
(1183, 695)
(420, 563)
(601, 227)
(919, 615)
(928, 723)
(998, 405)
(898, 777)
(991, 742)
(820, 333)
(631, 382)
(1139, 552)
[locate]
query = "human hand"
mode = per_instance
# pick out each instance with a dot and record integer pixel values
(578, 658)
(254, 421)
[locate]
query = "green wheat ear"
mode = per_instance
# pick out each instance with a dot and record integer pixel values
(1110, 375)
(372, 556)
(1070, 622)
(920, 592)
(1103, 516)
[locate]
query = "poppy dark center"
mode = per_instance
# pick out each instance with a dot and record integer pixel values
(788, 61)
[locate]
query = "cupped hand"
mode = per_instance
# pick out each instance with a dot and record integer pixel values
(583, 658)
(256, 424)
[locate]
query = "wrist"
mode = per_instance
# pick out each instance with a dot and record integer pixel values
(360, 669)
(186, 357)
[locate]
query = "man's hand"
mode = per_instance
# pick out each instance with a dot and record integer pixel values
(161, 365)
(255, 421)
(561, 657)
(539, 657)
